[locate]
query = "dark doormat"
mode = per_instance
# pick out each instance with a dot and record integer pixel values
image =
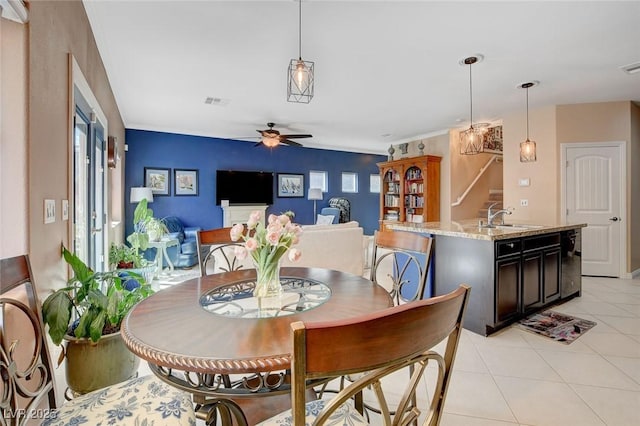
(560, 327)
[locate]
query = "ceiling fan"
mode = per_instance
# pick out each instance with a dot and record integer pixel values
(271, 137)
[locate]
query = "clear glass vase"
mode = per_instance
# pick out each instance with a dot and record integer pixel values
(268, 289)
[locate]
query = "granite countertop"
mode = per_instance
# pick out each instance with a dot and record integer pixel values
(469, 229)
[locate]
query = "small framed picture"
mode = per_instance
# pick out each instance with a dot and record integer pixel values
(185, 182)
(290, 185)
(158, 180)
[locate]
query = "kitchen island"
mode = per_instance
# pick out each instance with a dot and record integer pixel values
(514, 270)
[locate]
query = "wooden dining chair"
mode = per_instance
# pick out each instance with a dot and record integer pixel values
(400, 263)
(216, 251)
(375, 346)
(27, 390)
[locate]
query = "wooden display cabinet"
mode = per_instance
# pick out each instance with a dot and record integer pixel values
(410, 190)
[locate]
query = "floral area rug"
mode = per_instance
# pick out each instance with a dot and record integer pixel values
(559, 327)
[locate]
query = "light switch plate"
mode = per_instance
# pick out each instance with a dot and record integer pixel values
(49, 211)
(65, 209)
(524, 182)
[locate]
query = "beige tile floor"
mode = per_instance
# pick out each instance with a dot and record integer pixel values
(519, 378)
(515, 377)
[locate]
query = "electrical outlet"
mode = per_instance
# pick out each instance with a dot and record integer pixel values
(524, 203)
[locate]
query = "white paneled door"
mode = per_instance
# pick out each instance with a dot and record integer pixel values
(594, 190)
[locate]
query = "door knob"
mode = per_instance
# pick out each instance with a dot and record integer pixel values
(614, 219)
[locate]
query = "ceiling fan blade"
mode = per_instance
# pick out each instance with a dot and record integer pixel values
(291, 143)
(296, 136)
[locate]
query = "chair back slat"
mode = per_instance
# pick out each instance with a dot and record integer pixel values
(25, 366)
(400, 263)
(377, 345)
(215, 251)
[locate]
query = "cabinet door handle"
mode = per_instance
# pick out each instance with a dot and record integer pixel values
(614, 219)
(511, 245)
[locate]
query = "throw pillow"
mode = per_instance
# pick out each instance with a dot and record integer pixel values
(324, 219)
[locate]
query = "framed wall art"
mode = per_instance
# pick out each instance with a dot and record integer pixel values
(158, 180)
(185, 182)
(492, 140)
(290, 185)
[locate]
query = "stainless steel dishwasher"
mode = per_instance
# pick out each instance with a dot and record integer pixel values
(571, 263)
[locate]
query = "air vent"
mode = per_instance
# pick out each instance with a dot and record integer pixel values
(631, 68)
(216, 101)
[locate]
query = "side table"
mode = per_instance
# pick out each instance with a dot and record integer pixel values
(161, 249)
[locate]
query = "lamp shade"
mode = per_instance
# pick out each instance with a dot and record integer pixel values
(138, 193)
(315, 194)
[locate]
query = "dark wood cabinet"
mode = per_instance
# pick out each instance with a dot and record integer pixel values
(507, 288)
(540, 270)
(527, 275)
(531, 281)
(552, 273)
(509, 278)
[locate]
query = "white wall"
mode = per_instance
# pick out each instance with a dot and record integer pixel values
(543, 174)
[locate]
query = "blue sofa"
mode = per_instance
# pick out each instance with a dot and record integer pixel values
(185, 254)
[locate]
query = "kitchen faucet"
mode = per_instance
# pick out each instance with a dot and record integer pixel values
(491, 215)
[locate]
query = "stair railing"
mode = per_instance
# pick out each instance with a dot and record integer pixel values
(484, 168)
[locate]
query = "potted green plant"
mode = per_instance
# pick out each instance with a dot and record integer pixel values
(87, 314)
(145, 227)
(155, 229)
(122, 256)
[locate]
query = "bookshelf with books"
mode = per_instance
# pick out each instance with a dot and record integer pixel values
(390, 195)
(411, 190)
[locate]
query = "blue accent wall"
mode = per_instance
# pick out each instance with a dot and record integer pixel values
(175, 151)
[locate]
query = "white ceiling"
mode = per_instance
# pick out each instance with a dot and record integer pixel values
(386, 71)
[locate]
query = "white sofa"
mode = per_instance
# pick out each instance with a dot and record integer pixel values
(341, 247)
(338, 247)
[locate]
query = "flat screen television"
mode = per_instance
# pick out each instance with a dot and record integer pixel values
(242, 187)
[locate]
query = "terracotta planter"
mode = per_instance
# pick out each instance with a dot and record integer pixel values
(91, 366)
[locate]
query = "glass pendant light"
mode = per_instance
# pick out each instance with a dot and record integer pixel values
(300, 74)
(528, 147)
(472, 139)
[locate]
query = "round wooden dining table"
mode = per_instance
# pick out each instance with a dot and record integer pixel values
(201, 350)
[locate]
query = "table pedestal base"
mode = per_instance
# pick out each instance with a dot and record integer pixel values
(243, 411)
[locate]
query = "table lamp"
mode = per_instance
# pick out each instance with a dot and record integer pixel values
(140, 192)
(315, 194)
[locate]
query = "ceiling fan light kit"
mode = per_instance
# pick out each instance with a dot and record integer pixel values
(528, 147)
(273, 138)
(300, 75)
(472, 139)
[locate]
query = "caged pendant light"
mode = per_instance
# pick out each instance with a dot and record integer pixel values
(472, 139)
(300, 74)
(528, 147)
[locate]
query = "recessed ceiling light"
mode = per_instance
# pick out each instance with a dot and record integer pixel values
(528, 84)
(476, 58)
(631, 68)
